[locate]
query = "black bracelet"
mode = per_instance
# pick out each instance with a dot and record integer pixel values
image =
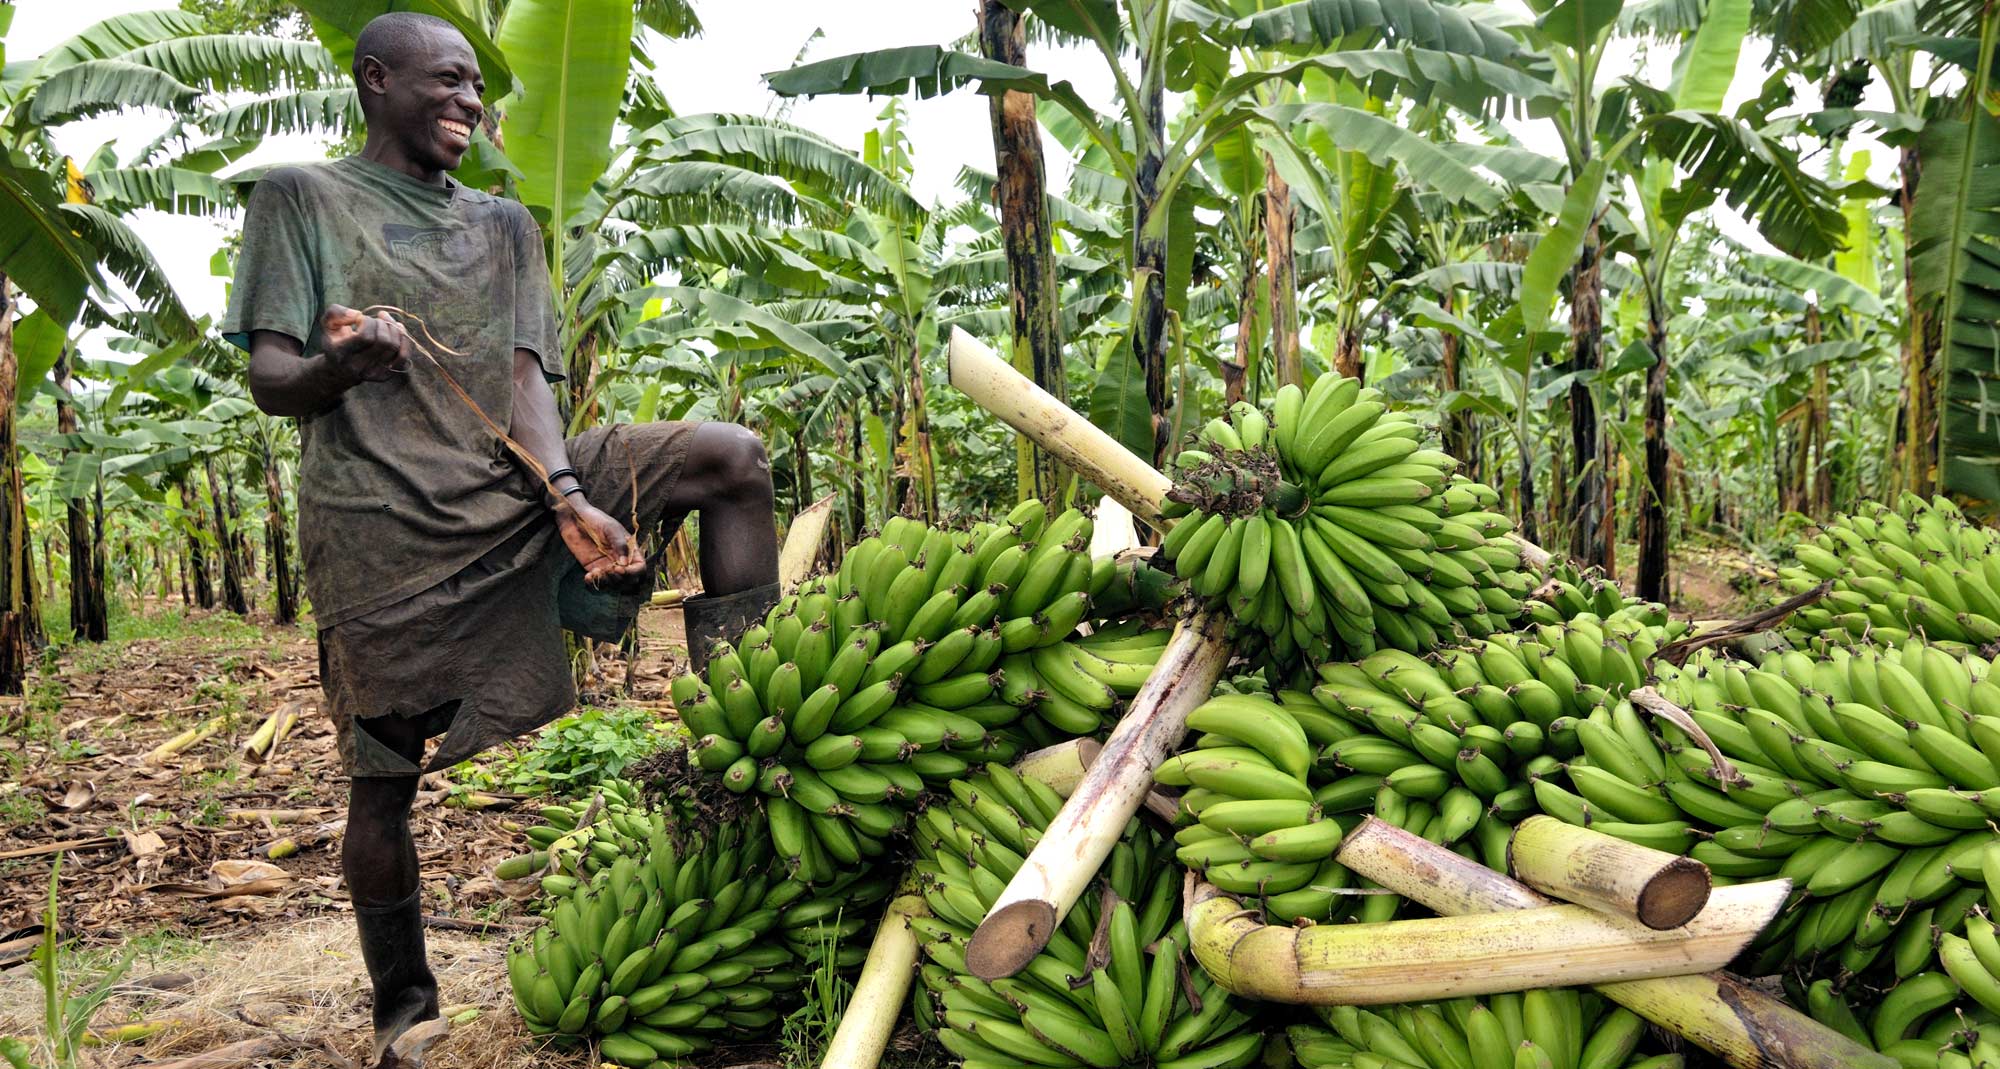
(560, 472)
(577, 489)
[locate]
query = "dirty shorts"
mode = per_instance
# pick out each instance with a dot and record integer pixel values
(480, 656)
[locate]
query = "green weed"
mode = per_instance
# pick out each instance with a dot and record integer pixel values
(20, 809)
(808, 1029)
(68, 1004)
(573, 753)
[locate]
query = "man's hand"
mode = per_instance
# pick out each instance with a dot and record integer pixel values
(364, 348)
(623, 567)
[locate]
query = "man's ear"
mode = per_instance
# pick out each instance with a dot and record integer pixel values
(374, 75)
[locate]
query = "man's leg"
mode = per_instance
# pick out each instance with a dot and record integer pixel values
(379, 858)
(726, 479)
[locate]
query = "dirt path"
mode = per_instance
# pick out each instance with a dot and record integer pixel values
(172, 858)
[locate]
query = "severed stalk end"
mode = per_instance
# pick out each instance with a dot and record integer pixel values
(1674, 895)
(1009, 938)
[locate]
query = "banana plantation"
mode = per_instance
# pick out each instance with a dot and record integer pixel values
(1393, 534)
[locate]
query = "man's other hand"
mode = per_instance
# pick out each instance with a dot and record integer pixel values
(369, 349)
(590, 533)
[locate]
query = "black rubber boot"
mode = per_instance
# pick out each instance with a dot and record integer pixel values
(392, 946)
(723, 618)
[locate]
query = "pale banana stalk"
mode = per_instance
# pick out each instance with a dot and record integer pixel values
(1715, 1011)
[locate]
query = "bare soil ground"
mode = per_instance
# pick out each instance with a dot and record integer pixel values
(169, 859)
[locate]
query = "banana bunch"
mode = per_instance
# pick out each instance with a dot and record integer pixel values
(1074, 687)
(618, 825)
(1869, 777)
(1918, 568)
(1092, 997)
(1556, 1028)
(1491, 716)
(667, 948)
(1328, 527)
(1257, 826)
(1913, 1023)
(872, 683)
(1566, 591)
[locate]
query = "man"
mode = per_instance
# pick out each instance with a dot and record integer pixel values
(440, 568)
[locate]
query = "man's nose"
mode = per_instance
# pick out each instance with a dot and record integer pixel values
(469, 100)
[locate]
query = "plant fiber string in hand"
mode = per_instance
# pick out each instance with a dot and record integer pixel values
(520, 451)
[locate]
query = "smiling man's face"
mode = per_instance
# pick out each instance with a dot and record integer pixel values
(429, 102)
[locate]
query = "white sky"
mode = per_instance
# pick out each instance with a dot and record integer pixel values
(721, 71)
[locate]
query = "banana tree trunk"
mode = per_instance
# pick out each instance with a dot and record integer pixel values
(1459, 438)
(278, 531)
(994, 385)
(1278, 219)
(923, 462)
(233, 598)
(87, 613)
(1586, 325)
(1348, 358)
(1149, 264)
(15, 584)
(199, 582)
(1438, 958)
(1653, 503)
(1819, 487)
(881, 990)
(1236, 376)
(581, 377)
(1029, 239)
(1915, 432)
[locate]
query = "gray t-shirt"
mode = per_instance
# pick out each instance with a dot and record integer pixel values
(400, 484)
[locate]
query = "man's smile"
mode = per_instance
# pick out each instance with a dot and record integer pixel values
(460, 132)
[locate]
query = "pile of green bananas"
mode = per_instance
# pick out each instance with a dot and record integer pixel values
(1565, 591)
(1914, 1022)
(1863, 779)
(1869, 777)
(1556, 1028)
(620, 825)
(667, 947)
(1918, 568)
(1091, 998)
(872, 683)
(1073, 688)
(1454, 747)
(1328, 527)
(1259, 827)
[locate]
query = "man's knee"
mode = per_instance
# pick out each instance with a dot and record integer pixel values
(733, 462)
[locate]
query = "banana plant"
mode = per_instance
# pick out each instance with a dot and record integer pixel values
(1152, 157)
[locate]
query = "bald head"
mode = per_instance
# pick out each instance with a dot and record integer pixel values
(397, 38)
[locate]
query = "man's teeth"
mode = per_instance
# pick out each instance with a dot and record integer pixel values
(458, 128)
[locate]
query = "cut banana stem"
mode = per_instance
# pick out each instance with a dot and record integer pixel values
(993, 384)
(185, 739)
(1590, 868)
(802, 542)
(1532, 555)
(1440, 958)
(1061, 766)
(1066, 859)
(1715, 1011)
(880, 991)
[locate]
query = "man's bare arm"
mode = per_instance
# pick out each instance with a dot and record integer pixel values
(600, 543)
(537, 425)
(286, 382)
